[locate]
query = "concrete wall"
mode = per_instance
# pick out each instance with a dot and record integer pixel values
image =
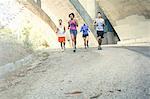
(130, 18)
(22, 32)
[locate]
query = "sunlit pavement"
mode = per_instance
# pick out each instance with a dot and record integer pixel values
(113, 73)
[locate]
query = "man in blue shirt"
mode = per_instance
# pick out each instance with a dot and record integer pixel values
(85, 30)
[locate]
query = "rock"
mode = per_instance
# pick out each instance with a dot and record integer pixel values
(111, 91)
(119, 90)
(74, 92)
(3, 89)
(96, 96)
(20, 75)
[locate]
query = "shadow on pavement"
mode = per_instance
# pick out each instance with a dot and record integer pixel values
(145, 50)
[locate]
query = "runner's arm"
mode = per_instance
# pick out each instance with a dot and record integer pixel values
(103, 22)
(81, 29)
(68, 24)
(94, 23)
(64, 29)
(76, 22)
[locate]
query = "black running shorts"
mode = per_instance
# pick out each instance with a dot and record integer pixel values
(100, 34)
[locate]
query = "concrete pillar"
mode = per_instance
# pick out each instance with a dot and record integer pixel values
(33, 7)
(91, 8)
(38, 2)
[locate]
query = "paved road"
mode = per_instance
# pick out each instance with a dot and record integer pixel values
(113, 73)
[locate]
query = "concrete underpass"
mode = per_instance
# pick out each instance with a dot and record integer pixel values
(32, 66)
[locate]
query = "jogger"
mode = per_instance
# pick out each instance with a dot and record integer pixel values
(72, 25)
(99, 23)
(61, 34)
(85, 31)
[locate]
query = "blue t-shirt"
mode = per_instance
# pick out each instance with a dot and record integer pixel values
(85, 29)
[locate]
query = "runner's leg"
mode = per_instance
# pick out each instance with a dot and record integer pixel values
(84, 38)
(75, 41)
(64, 44)
(99, 42)
(87, 41)
(61, 44)
(72, 38)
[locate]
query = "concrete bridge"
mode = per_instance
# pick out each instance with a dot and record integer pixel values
(129, 20)
(33, 67)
